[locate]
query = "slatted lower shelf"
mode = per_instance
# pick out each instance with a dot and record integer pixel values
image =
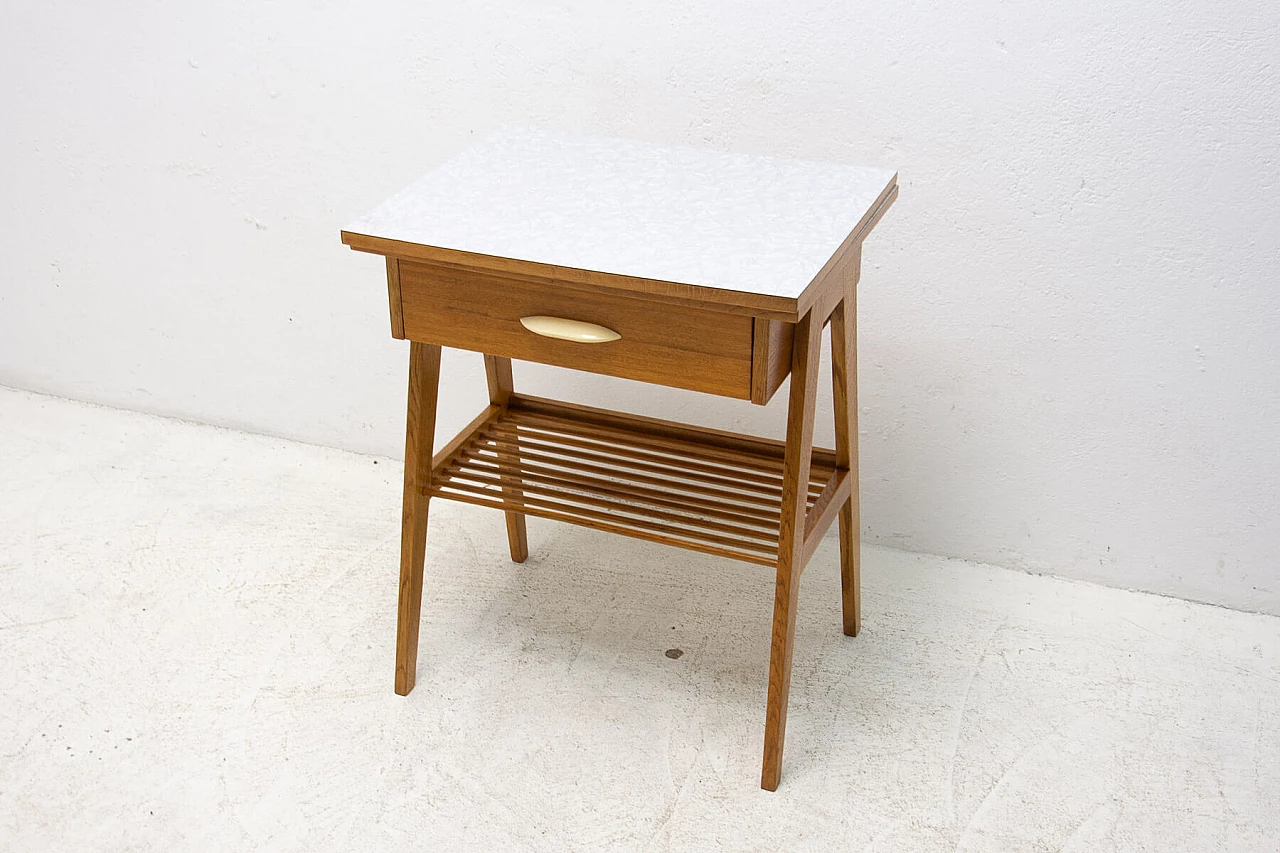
(665, 482)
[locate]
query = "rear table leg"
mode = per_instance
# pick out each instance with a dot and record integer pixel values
(844, 380)
(498, 372)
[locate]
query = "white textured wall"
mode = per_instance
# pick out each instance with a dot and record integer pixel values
(1070, 323)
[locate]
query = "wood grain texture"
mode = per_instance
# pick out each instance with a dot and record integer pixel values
(710, 502)
(771, 358)
(824, 511)
(778, 367)
(393, 297)
(658, 429)
(796, 471)
(424, 385)
(759, 360)
(692, 295)
(675, 489)
(498, 373)
(844, 380)
(741, 471)
(681, 347)
(487, 415)
(752, 499)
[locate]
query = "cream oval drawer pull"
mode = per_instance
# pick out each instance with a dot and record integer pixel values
(569, 330)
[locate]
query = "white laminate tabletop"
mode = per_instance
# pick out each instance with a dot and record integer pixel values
(733, 221)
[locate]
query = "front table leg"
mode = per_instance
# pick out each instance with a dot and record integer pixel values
(795, 483)
(424, 385)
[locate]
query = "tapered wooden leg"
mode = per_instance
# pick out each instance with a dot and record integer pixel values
(795, 471)
(498, 372)
(424, 385)
(844, 378)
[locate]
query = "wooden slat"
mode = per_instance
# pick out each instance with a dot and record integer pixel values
(670, 466)
(635, 533)
(559, 467)
(682, 445)
(637, 450)
(766, 457)
(758, 468)
(721, 496)
(746, 514)
(468, 433)
(534, 492)
(760, 504)
(655, 428)
(532, 504)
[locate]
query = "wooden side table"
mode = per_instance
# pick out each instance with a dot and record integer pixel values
(679, 267)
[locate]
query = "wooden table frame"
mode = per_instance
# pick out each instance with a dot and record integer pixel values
(671, 266)
(790, 485)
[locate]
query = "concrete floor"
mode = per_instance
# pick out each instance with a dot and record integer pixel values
(196, 645)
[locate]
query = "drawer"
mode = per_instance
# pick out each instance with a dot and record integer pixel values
(660, 342)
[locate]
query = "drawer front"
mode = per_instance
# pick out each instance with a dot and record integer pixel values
(659, 342)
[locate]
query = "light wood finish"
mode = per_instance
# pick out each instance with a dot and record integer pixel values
(498, 372)
(706, 490)
(844, 382)
(393, 298)
(488, 414)
(752, 499)
(771, 358)
(670, 484)
(678, 293)
(748, 498)
(650, 290)
(657, 429)
(682, 347)
(420, 429)
(823, 512)
(791, 538)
